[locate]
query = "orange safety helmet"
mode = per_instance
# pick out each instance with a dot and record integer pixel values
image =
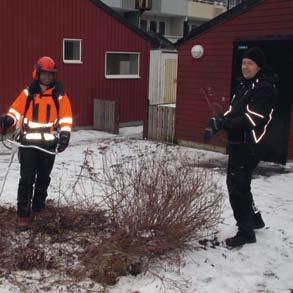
(44, 64)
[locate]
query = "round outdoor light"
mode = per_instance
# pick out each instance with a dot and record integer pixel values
(197, 51)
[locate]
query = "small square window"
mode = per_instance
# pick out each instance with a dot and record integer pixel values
(71, 51)
(122, 65)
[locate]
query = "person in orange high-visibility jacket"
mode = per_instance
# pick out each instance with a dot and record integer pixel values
(44, 114)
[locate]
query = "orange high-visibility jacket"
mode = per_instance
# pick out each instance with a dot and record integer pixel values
(41, 118)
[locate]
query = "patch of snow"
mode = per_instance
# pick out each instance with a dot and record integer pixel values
(266, 266)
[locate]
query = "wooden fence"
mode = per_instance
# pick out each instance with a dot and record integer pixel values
(161, 123)
(106, 115)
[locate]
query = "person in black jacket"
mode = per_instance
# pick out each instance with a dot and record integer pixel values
(246, 122)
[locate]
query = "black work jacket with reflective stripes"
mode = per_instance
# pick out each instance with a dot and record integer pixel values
(251, 110)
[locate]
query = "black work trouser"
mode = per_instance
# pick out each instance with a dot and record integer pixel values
(241, 164)
(35, 170)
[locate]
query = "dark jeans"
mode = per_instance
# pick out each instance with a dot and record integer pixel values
(241, 164)
(35, 170)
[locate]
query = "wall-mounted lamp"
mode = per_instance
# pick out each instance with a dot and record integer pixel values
(197, 51)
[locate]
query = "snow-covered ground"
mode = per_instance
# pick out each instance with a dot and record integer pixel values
(266, 266)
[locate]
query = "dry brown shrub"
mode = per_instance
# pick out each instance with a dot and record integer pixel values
(158, 203)
(55, 240)
(7, 218)
(62, 220)
(160, 199)
(30, 258)
(151, 206)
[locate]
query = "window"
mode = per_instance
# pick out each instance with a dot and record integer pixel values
(153, 26)
(143, 24)
(122, 65)
(71, 51)
(162, 27)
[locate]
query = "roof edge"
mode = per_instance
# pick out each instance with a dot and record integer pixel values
(220, 19)
(124, 21)
(163, 41)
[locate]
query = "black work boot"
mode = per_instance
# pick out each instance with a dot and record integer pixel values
(240, 239)
(43, 213)
(258, 221)
(22, 224)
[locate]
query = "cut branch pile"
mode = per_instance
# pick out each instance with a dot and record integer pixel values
(152, 206)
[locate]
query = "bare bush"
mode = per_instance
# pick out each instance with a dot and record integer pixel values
(154, 205)
(160, 198)
(157, 203)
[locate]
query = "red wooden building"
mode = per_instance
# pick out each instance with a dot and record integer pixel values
(205, 84)
(98, 53)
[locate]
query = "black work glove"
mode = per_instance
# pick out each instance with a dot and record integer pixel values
(63, 141)
(5, 123)
(214, 126)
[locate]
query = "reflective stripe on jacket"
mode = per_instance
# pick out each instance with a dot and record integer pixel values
(42, 119)
(251, 111)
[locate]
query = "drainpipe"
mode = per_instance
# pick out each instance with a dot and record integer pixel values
(185, 24)
(185, 27)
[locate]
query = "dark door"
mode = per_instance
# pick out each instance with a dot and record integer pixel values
(279, 55)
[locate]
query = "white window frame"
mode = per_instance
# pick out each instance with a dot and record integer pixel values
(122, 76)
(80, 51)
